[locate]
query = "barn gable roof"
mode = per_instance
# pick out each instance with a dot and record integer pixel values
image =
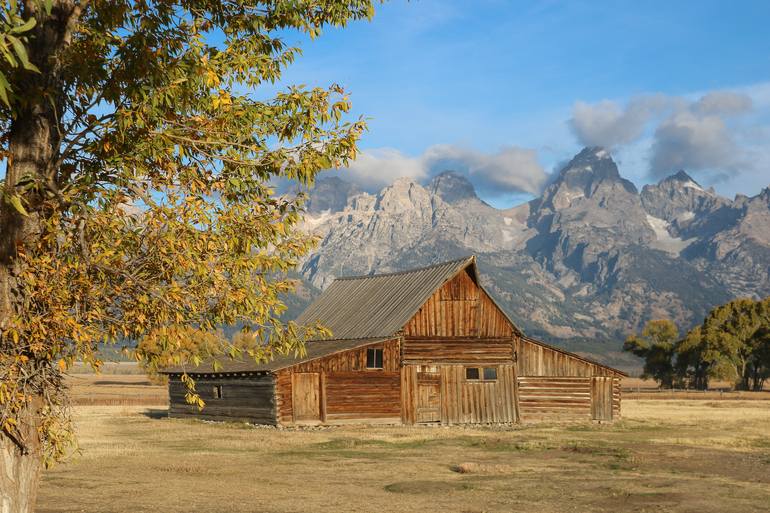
(379, 305)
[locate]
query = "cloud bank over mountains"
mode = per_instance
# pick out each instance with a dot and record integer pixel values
(714, 136)
(511, 169)
(696, 135)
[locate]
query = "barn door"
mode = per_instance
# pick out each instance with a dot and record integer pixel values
(601, 398)
(306, 397)
(428, 397)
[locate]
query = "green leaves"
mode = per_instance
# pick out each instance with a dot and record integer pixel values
(656, 345)
(733, 343)
(12, 49)
(15, 201)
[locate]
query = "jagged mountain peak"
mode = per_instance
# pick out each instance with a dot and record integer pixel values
(404, 194)
(590, 173)
(331, 193)
(682, 180)
(679, 198)
(680, 176)
(452, 187)
(590, 167)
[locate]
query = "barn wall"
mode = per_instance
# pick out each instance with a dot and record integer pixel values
(350, 390)
(247, 399)
(462, 401)
(459, 308)
(457, 350)
(537, 360)
(363, 395)
(568, 398)
(557, 386)
(554, 397)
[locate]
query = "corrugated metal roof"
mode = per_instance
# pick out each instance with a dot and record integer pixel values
(378, 305)
(313, 349)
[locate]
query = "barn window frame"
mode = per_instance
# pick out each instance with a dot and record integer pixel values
(216, 392)
(483, 374)
(375, 358)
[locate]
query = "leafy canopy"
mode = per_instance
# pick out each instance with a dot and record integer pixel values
(732, 343)
(656, 344)
(139, 163)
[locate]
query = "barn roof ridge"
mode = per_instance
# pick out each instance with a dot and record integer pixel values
(379, 305)
(468, 259)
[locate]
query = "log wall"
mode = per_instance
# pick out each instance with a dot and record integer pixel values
(350, 391)
(568, 398)
(245, 399)
(552, 397)
(459, 308)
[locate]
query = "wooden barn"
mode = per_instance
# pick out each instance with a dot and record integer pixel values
(428, 345)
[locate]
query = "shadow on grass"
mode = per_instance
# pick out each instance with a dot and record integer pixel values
(155, 413)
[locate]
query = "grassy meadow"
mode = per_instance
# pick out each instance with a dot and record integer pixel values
(689, 455)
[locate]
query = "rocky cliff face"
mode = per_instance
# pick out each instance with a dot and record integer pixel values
(588, 262)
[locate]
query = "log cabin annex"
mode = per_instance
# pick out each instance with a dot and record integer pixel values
(428, 345)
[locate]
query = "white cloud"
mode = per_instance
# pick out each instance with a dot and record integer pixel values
(509, 170)
(723, 103)
(684, 133)
(688, 141)
(607, 123)
(374, 169)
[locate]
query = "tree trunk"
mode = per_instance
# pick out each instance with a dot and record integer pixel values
(34, 138)
(19, 476)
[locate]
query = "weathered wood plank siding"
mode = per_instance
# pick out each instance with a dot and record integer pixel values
(349, 389)
(247, 399)
(537, 360)
(409, 394)
(459, 308)
(463, 401)
(363, 396)
(457, 350)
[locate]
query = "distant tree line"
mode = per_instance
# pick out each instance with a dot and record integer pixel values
(732, 343)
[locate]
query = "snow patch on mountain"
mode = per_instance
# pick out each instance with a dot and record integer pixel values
(663, 239)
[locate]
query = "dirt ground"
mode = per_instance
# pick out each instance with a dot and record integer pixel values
(664, 455)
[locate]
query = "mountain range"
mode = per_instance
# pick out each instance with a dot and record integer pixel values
(582, 266)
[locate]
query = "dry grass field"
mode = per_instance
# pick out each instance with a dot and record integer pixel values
(664, 455)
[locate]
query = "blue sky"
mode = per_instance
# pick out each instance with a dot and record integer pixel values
(505, 91)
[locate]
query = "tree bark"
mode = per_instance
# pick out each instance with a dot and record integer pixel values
(20, 467)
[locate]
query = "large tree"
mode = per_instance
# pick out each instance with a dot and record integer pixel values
(736, 339)
(136, 202)
(690, 367)
(657, 345)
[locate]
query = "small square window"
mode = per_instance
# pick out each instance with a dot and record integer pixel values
(472, 373)
(374, 358)
(490, 374)
(217, 392)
